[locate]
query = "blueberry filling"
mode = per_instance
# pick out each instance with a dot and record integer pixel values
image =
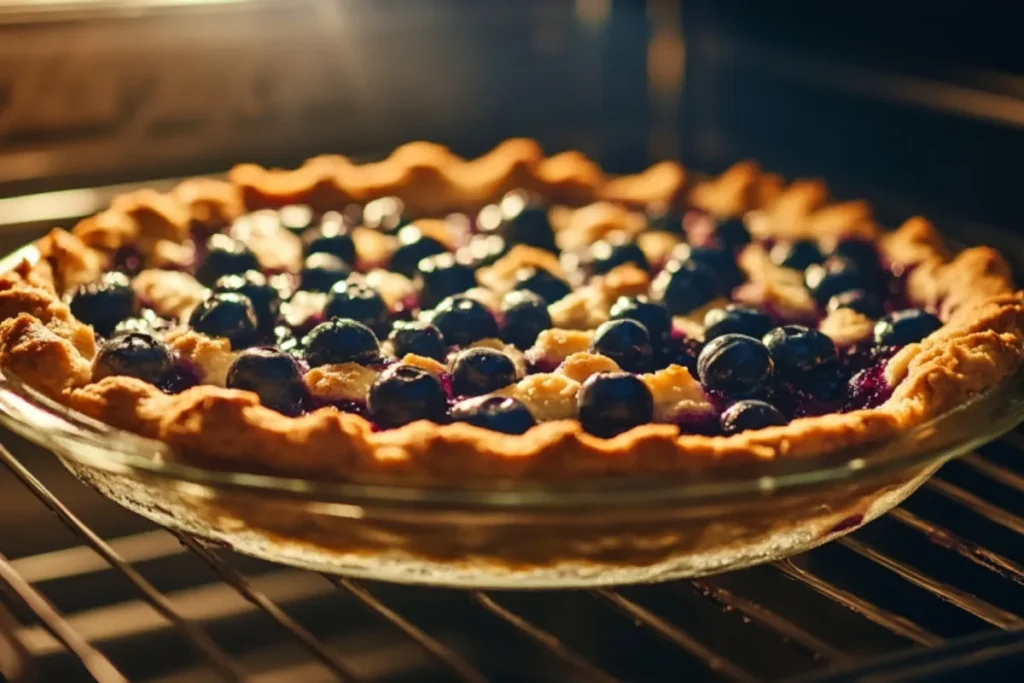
(757, 370)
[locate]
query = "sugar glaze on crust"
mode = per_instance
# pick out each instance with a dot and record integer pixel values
(980, 343)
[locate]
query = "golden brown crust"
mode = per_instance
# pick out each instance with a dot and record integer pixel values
(980, 343)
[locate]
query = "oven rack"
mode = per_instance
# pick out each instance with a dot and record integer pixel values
(936, 588)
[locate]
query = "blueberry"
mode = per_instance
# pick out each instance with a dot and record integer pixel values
(404, 394)
(542, 283)
(734, 363)
(736, 319)
(443, 275)
(684, 286)
(463, 321)
(147, 321)
(105, 303)
(797, 350)
(497, 413)
(719, 260)
(386, 214)
(525, 316)
(272, 375)
(798, 255)
(332, 236)
(607, 255)
(418, 338)
(905, 327)
(834, 276)
(226, 314)
(341, 341)
(480, 371)
(860, 252)
(482, 250)
(732, 234)
(321, 271)
(859, 300)
(134, 354)
(359, 302)
(225, 256)
(265, 299)
(610, 403)
(413, 247)
(651, 314)
(626, 342)
(746, 415)
(665, 221)
(526, 223)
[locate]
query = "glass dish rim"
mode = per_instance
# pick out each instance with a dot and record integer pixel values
(93, 444)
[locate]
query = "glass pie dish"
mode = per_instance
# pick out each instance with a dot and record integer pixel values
(513, 534)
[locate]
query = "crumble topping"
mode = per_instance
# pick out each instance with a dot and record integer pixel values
(547, 396)
(555, 345)
(211, 357)
(341, 382)
(171, 293)
(580, 366)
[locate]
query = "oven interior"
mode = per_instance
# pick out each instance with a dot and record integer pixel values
(95, 95)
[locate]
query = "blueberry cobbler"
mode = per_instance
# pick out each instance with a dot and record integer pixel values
(514, 315)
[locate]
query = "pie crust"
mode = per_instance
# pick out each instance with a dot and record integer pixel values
(980, 343)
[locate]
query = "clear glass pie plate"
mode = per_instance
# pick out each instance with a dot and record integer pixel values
(513, 533)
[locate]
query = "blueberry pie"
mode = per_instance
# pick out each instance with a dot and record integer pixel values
(514, 315)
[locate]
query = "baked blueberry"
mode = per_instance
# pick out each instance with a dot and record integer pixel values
(332, 236)
(463, 321)
(386, 214)
(480, 371)
(225, 255)
(105, 302)
(736, 319)
(835, 276)
(403, 394)
(626, 342)
(732, 234)
(413, 247)
(798, 255)
(607, 255)
(226, 314)
(359, 302)
(719, 260)
(651, 314)
(684, 286)
(746, 415)
(549, 287)
(321, 271)
(147, 321)
(735, 364)
(497, 413)
(272, 375)
(443, 275)
(417, 337)
(797, 350)
(665, 220)
(482, 250)
(862, 253)
(859, 300)
(134, 354)
(526, 223)
(524, 315)
(265, 299)
(610, 403)
(905, 327)
(341, 341)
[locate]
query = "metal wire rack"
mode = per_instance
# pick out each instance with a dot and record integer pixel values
(933, 589)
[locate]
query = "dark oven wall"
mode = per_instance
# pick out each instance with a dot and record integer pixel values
(918, 113)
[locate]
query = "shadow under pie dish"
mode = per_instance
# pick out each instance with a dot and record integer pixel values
(513, 316)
